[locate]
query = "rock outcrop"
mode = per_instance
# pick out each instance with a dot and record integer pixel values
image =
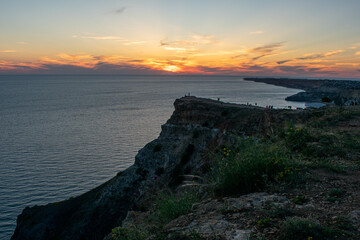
(196, 128)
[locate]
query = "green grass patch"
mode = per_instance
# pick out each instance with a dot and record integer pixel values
(299, 200)
(171, 206)
(128, 233)
(249, 166)
(299, 229)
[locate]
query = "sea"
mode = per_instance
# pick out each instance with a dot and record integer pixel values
(62, 135)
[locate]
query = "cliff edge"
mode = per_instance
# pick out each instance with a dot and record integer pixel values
(267, 173)
(196, 127)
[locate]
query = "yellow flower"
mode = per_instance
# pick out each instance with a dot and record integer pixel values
(310, 238)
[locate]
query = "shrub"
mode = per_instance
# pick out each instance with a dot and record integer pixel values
(336, 192)
(249, 166)
(128, 233)
(297, 139)
(170, 206)
(264, 222)
(299, 229)
(299, 200)
(326, 99)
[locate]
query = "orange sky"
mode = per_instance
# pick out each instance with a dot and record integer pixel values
(281, 38)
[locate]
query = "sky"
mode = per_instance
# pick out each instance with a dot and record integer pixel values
(287, 38)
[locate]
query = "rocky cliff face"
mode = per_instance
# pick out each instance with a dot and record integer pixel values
(196, 128)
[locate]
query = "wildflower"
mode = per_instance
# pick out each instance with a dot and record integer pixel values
(135, 194)
(156, 177)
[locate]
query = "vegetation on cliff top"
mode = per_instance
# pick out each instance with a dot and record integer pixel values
(282, 163)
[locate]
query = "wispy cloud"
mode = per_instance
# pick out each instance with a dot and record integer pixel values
(313, 56)
(100, 37)
(261, 51)
(21, 43)
(194, 40)
(128, 43)
(18, 66)
(120, 10)
(180, 50)
(357, 53)
(257, 32)
(266, 49)
(125, 41)
(7, 51)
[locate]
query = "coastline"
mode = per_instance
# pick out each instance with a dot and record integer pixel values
(198, 129)
(339, 92)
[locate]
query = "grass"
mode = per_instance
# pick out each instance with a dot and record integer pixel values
(299, 200)
(166, 208)
(300, 228)
(249, 166)
(171, 206)
(128, 233)
(335, 194)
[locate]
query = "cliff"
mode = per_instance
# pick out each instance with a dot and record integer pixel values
(299, 180)
(196, 127)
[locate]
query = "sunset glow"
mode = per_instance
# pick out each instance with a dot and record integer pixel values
(265, 38)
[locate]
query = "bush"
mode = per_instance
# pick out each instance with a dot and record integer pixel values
(299, 200)
(170, 206)
(336, 192)
(326, 99)
(299, 229)
(128, 233)
(297, 139)
(250, 166)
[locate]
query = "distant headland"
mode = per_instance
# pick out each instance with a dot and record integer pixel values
(339, 92)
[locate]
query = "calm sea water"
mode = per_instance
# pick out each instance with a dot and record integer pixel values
(61, 136)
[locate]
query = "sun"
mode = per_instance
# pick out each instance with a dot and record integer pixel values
(171, 68)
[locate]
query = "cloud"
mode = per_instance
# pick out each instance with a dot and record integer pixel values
(18, 67)
(307, 71)
(125, 41)
(256, 32)
(134, 43)
(216, 70)
(357, 53)
(313, 56)
(189, 44)
(100, 37)
(283, 61)
(266, 49)
(180, 50)
(7, 51)
(262, 51)
(21, 43)
(120, 10)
